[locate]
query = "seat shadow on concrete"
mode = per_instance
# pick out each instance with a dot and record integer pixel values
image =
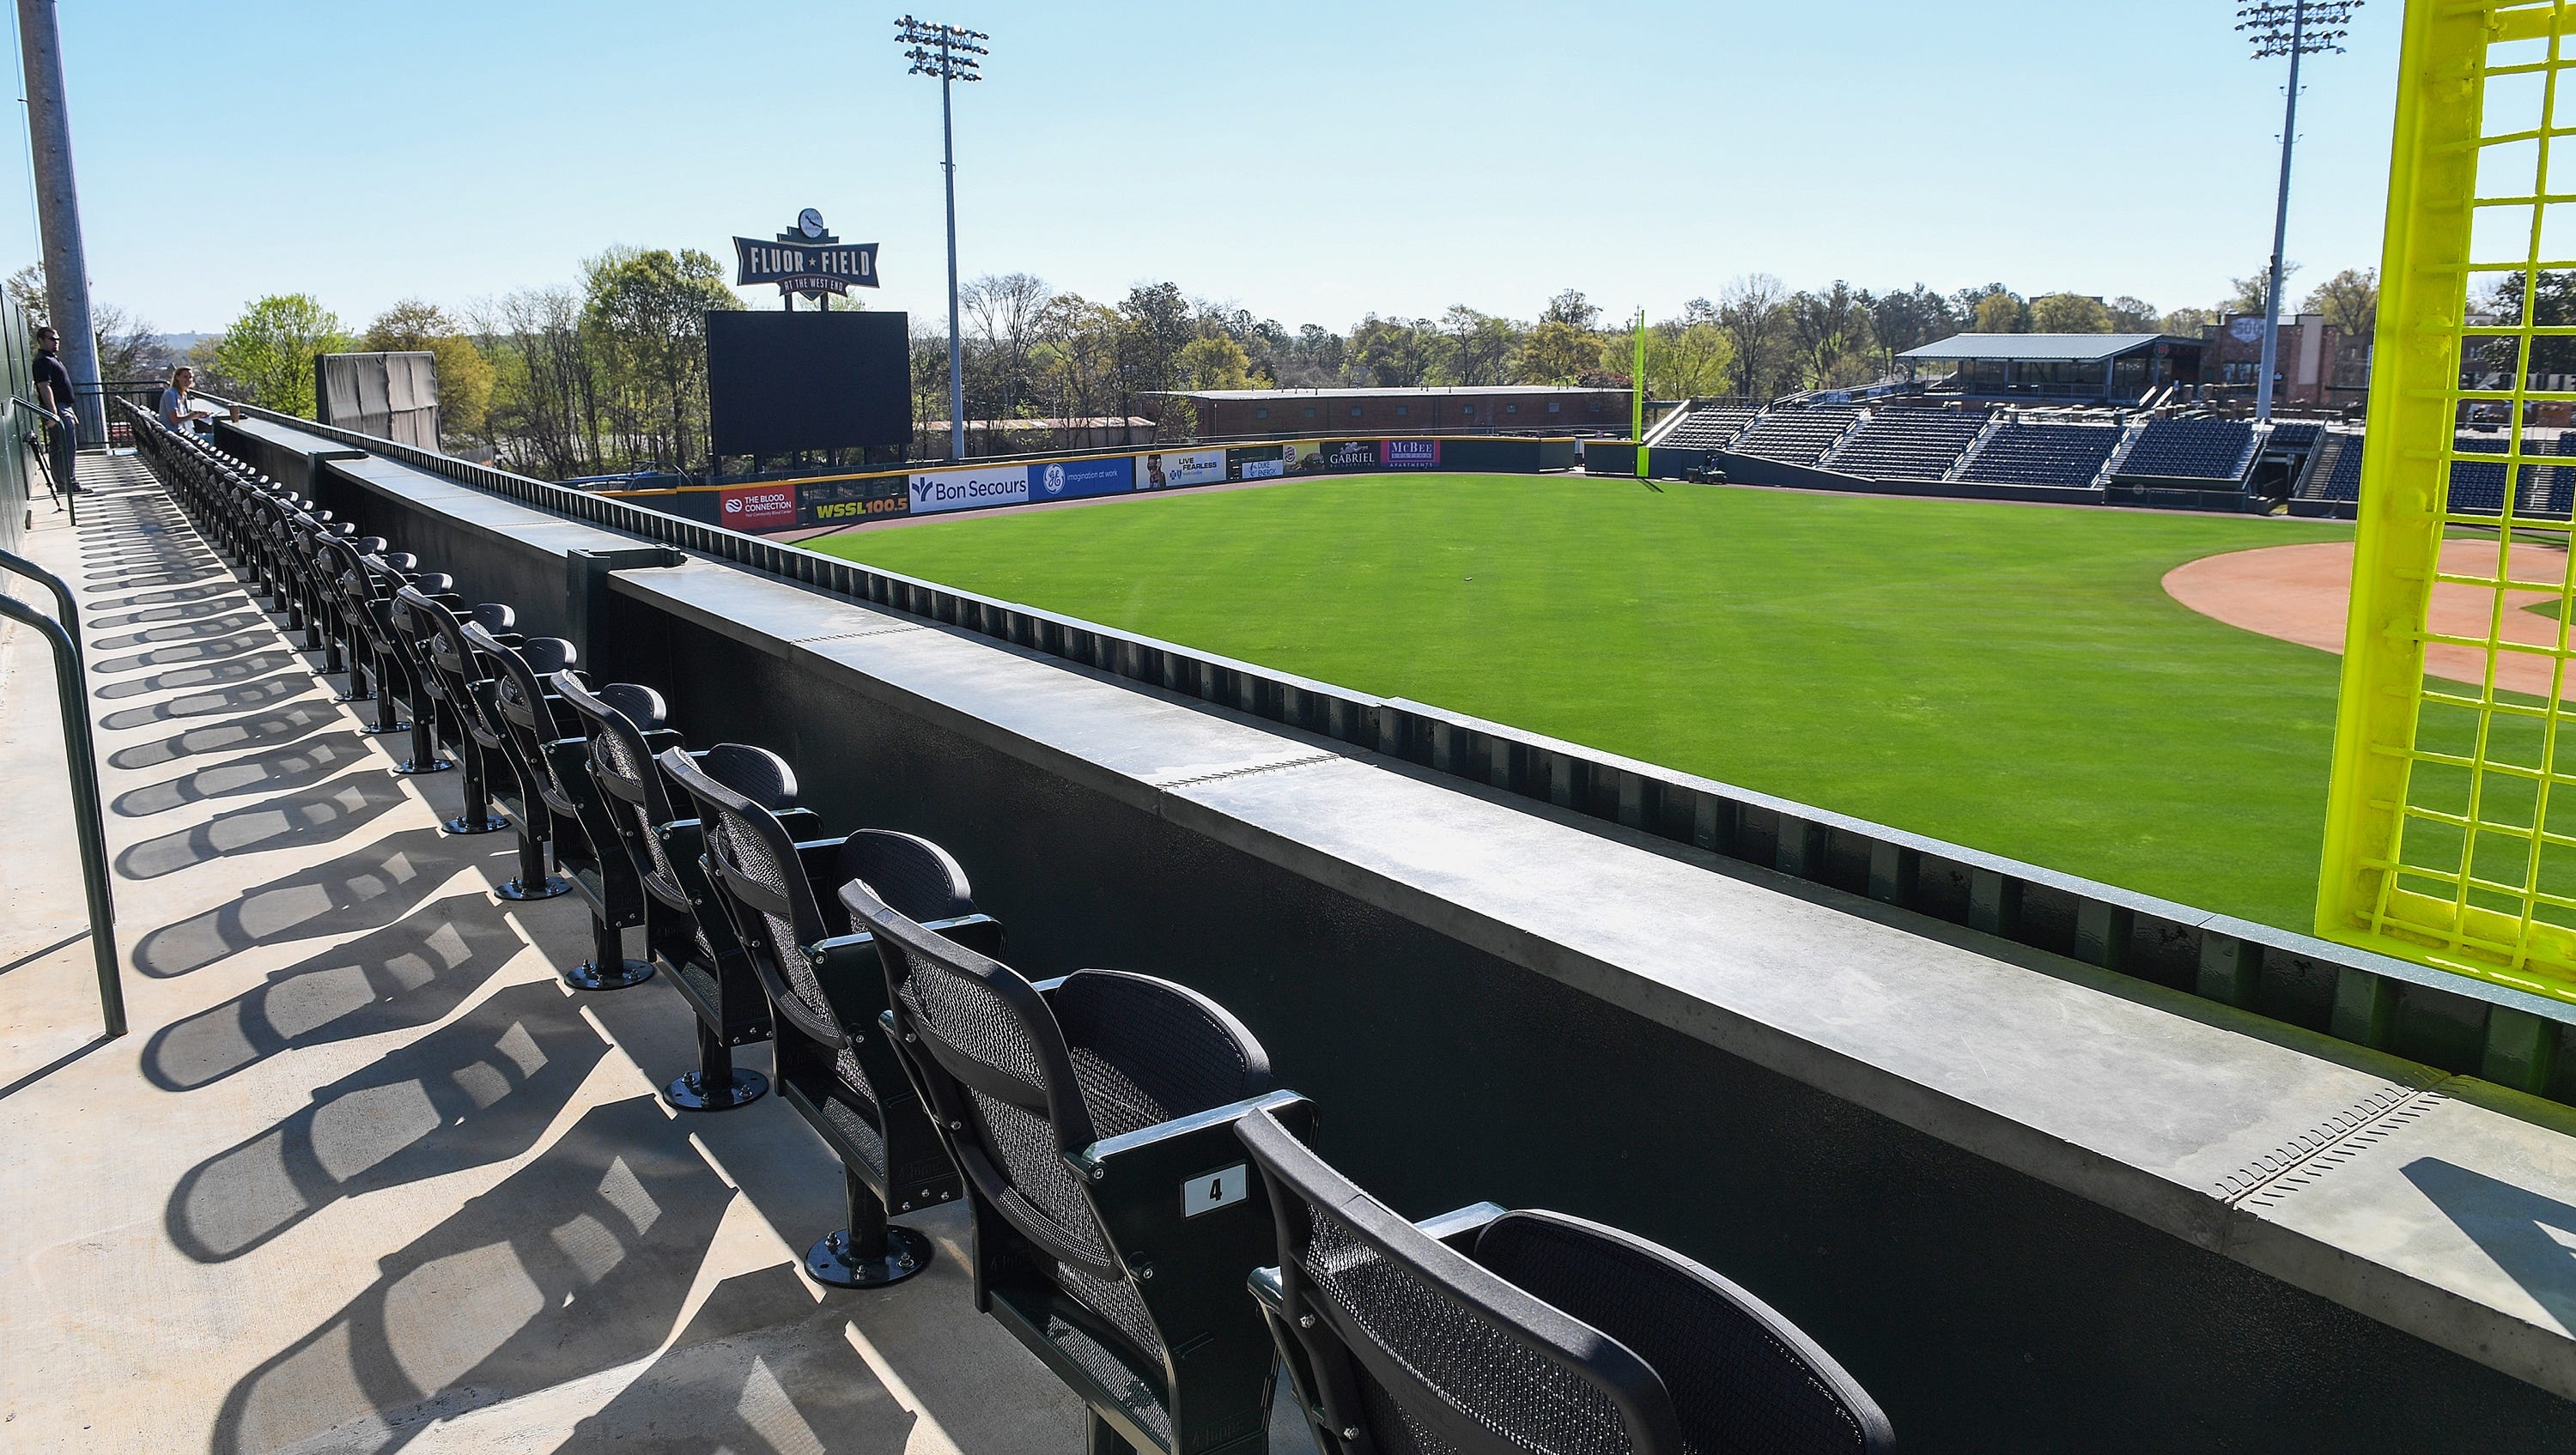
(277, 769)
(410, 973)
(167, 633)
(316, 816)
(180, 679)
(2531, 1237)
(238, 698)
(366, 889)
(477, 1091)
(228, 592)
(739, 1379)
(151, 615)
(276, 727)
(181, 654)
(577, 1263)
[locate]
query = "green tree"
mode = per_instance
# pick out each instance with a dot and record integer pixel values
(267, 353)
(465, 376)
(2068, 313)
(1689, 357)
(1215, 361)
(1558, 352)
(2349, 300)
(2000, 313)
(1393, 353)
(1909, 320)
(644, 318)
(1753, 313)
(1831, 327)
(2134, 315)
(2186, 322)
(2250, 294)
(1475, 348)
(1571, 307)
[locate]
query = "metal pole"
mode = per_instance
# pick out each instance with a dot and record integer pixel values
(956, 345)
(1637, 429)
(2280, 222)
(49, 141)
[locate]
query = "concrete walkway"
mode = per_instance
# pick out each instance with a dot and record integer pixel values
(365, 1177)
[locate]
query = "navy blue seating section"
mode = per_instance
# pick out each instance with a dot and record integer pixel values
(1711, 429)
(2561, 498)
(2297, 435)
(1909, 444)
(1796, 436)
(2066, 455)
(2343, 482)
(2191, 449)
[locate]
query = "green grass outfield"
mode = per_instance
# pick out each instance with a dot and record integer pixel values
(2009, 677)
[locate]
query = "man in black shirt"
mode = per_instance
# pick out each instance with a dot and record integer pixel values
(54, 391)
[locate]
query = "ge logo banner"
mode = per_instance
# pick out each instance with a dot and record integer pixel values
(1053, 481)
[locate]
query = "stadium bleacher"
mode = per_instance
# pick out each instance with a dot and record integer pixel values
(1712, 428)
(1796, 436)
(2343, 478)
(2478, 487)
(1909, 444)
(2064, 455)
(2192, 449)
(2295, 435)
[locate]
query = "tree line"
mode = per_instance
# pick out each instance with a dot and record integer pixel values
(609, 373)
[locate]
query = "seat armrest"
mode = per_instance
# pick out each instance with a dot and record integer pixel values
(821, 858)
(980, 933)
(659, 740)
(1459, 1228)
(802, 824)
(1185, 1210)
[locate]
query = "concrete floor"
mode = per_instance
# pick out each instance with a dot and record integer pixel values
(365, 1177)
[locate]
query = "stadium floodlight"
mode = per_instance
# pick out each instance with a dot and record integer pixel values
(2292, 28)
(950, 53)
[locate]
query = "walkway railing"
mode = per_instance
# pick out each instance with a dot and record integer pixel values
(62, 633)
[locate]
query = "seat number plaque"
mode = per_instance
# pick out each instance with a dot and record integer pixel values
(1212, 1190)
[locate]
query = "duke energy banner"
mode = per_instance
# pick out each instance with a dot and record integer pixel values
(1079, 479)
(1170, 469)
(937, 490)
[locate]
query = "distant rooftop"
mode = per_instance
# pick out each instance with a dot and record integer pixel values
(2066, 348)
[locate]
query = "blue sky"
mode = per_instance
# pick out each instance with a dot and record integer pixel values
(1311, 162)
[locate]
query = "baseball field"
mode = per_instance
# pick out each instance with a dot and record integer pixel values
(2009, 677)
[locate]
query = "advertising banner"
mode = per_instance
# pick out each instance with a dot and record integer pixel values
(846, 502)
(757, 507)
(937, 490)
(1302, 457)
(1410, 454)
(1349, 454)
(1166, 469)
(1256, 462)
(1079, 479)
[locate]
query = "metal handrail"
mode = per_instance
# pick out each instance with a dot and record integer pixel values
(80, 755)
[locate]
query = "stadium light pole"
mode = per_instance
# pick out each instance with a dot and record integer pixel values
(948, 52)
(2292, 28)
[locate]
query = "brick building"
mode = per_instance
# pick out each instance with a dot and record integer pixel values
(2320, 365)
(1497, 409)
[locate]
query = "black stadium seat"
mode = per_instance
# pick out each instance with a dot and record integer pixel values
(1495, 1333)
(1796, 436)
